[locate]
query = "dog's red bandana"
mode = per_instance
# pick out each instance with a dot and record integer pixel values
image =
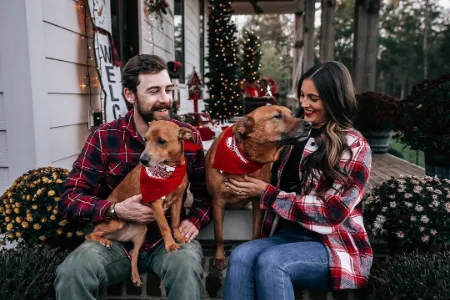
(159, 181)
(230, 159)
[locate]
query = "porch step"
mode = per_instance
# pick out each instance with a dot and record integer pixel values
(153, 288)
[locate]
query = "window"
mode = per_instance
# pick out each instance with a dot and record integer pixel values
(179, 36)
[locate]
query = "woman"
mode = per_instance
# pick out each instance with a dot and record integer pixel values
(313, 232)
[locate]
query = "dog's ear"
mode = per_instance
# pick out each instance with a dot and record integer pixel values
(185, 134)
(244, 126)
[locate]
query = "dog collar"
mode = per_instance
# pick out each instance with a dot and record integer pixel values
(230, 159)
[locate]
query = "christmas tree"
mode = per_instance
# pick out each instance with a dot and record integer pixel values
(251, 58)
(224, 91)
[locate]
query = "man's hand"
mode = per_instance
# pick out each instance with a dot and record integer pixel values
(188, 230)
(131, 209)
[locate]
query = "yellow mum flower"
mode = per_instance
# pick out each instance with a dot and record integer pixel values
(43, 220)
(50, 181)
(17, 210)
(63, 223)
(69, 234)
(59, 231)
(34, 206)
(18, 204)
(7, 206)
(58, 181)
(11, 200)
(51, 193)
(53, 217)
(19, 219)
(28, 197)
(57, 198)
(55, 176)
(9, 194)
(37, 226)
(7, 219)
(1, 209)
(55, 211)
(5, 201)
(79, 233)
(25, 224)
(18, 234)
(29, 218)
(49, 207)
(44, 179)
(42, 238)
(9, 227)
(10, 235)
(39, 192)
(8, 211)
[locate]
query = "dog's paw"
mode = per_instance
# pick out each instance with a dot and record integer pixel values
(105, 242)
(173, 247)
(219, 263)
(137, 281)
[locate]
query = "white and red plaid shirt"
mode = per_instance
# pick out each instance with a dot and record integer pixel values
(336, 215)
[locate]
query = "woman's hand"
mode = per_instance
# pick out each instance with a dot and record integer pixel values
(250, 187)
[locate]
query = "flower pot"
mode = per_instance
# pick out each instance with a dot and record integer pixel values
(437, 164)
(378, 140)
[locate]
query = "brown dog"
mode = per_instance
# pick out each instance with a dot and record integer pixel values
(164, 145)
(259, 136)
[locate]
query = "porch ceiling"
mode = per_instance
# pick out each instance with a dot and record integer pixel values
(244, 7)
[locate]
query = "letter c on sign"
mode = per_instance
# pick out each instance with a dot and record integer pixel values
(116, 108)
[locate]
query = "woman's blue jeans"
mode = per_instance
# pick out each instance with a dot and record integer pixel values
(268, 269)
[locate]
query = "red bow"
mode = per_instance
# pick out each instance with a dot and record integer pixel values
(159, 181)
(230, 159)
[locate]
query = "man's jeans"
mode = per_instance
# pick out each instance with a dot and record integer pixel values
(91, 266)
(274, 264)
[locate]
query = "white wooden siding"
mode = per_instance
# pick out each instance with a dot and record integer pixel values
(3, 142)
(191, 36)
(66, 62)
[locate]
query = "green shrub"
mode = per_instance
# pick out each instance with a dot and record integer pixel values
(412, 276)
(395, 152)
(29, 273)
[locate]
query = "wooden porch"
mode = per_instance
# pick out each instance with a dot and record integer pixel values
(384, 166)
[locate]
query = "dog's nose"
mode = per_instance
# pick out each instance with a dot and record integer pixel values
(307, 125)
(144, 159)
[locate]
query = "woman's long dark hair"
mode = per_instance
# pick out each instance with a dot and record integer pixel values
(335, 87)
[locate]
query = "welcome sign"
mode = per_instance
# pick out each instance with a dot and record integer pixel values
(107, 61)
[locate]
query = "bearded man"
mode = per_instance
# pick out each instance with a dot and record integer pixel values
(109, 153)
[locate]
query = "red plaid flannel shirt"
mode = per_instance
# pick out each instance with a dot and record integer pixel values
(107, 156)
(335, 215)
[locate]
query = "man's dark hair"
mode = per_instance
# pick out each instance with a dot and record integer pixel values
(141, 64)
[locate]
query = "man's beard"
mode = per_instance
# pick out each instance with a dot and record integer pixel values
(149, 116)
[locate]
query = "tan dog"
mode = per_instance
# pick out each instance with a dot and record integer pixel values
(163, 145)
(260, 135)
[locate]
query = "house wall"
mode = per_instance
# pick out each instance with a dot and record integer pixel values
(3, 140)
(66, 66)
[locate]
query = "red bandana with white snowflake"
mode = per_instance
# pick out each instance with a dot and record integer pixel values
(230, 159)
(159, 181)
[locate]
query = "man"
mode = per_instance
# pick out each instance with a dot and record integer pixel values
(108, 155)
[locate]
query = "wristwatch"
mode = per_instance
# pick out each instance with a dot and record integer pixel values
(112, 211)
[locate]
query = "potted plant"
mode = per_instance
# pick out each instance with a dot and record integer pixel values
(29, 211)
(410, 213)
(426, 124)
(378, 115)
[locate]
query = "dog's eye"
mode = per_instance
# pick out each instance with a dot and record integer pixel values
(161, 141)
(278, 116)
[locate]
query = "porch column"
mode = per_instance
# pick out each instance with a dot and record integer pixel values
(22, 57)
(298, 43)
(327, 32)
(308, 34)
(365, 45)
